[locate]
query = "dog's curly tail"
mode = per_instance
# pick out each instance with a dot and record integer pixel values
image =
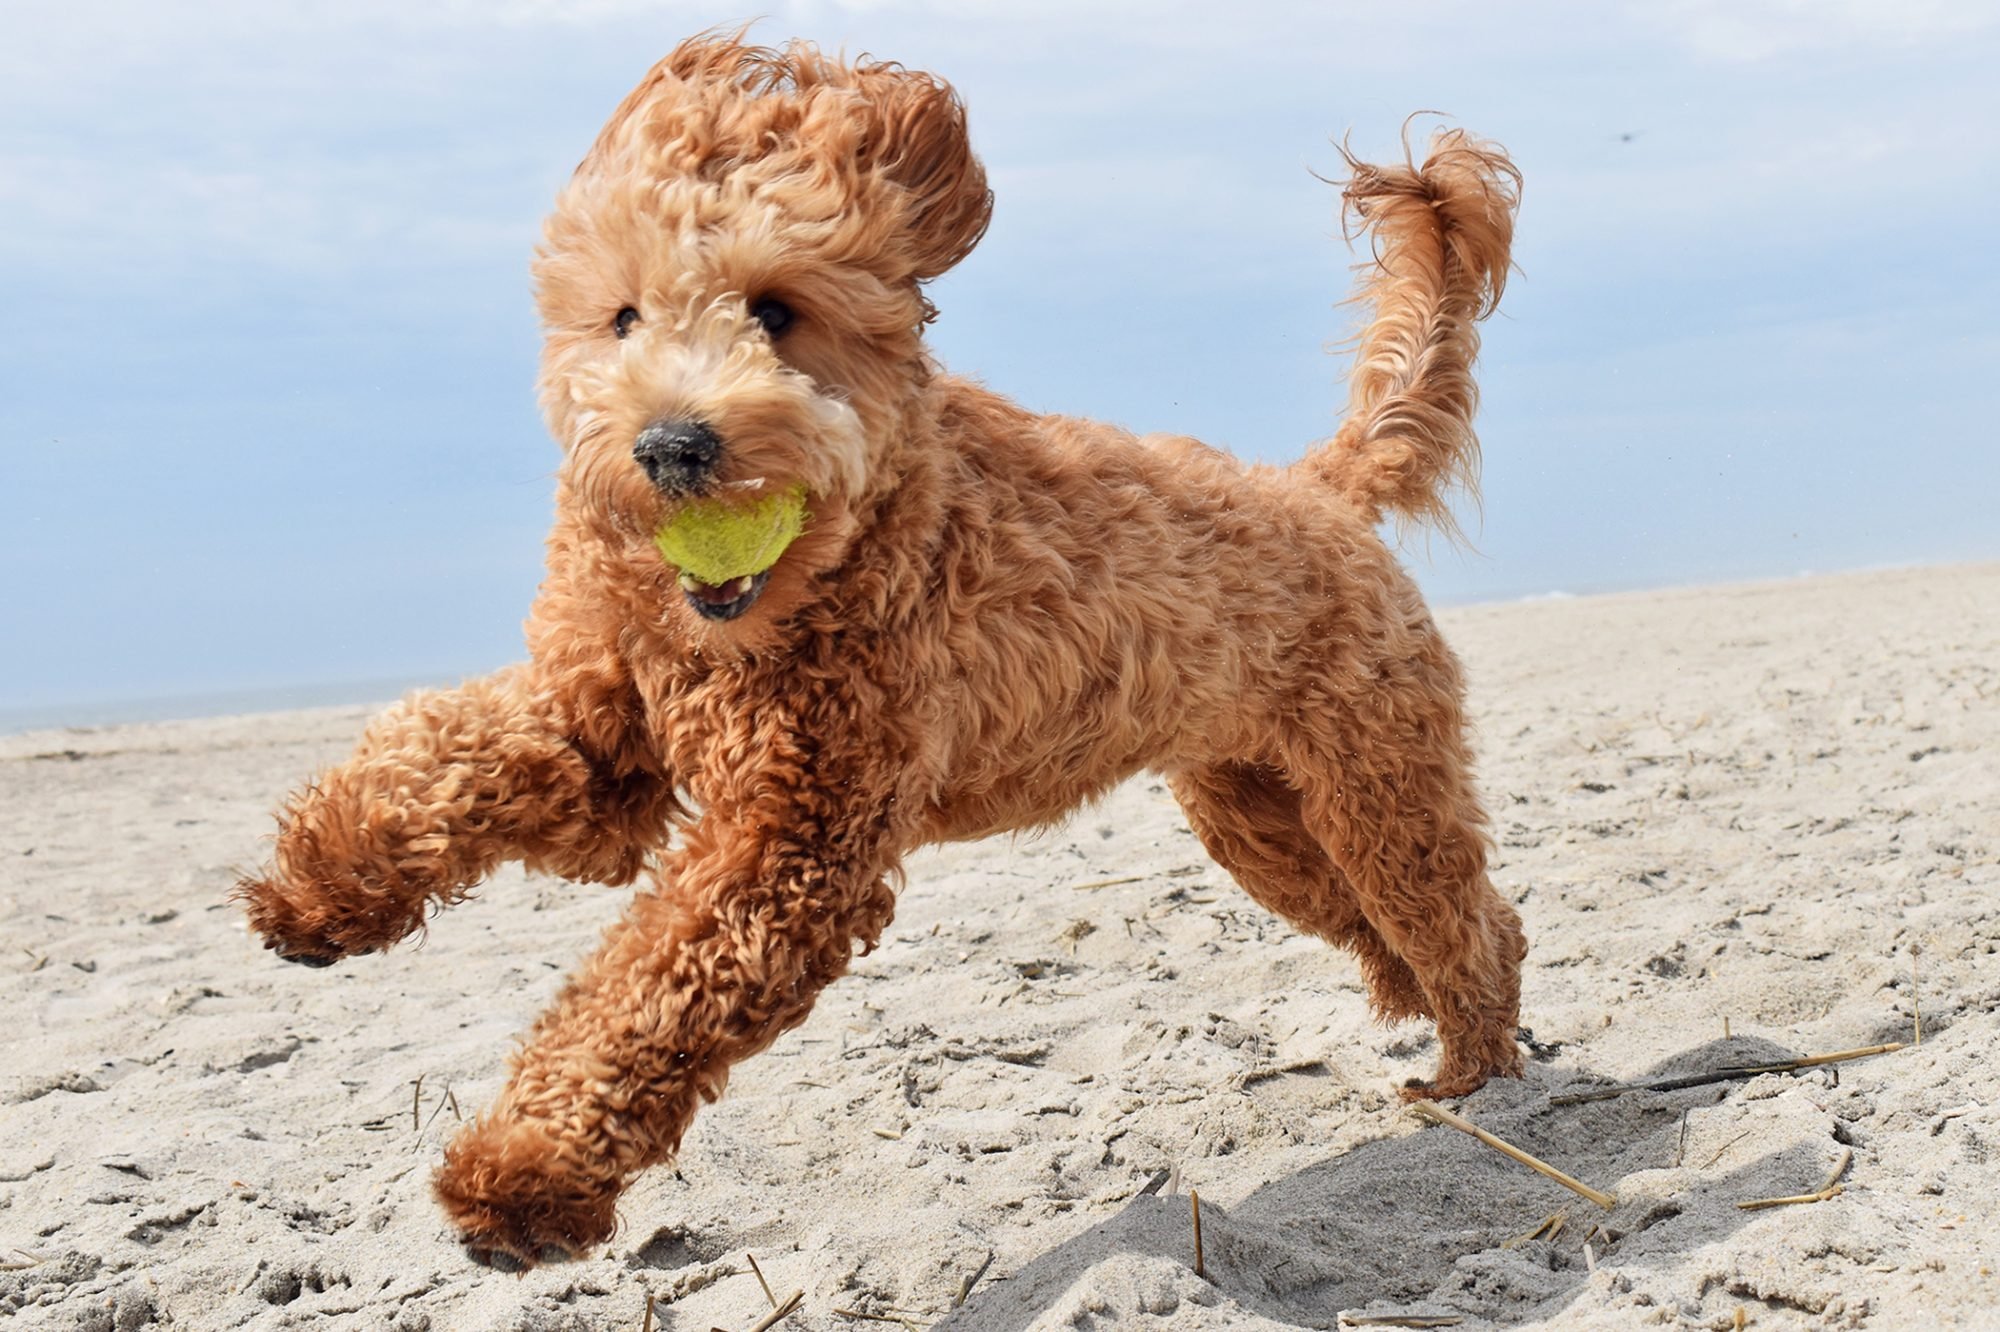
(1441, 233)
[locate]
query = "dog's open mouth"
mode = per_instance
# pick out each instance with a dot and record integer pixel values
(726, 601)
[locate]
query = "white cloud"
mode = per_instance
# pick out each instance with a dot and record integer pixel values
(1749, 31)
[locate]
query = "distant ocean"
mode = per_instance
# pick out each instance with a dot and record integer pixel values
(176, 707)
(284, 698)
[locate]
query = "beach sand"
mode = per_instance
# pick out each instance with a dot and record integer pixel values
(1742, 823)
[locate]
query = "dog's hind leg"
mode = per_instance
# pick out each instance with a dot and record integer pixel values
(1249, 821)
(1388, 794)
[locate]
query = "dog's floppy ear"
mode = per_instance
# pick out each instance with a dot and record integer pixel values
(918, 140)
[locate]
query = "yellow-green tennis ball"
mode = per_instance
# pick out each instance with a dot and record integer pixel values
(717, 540)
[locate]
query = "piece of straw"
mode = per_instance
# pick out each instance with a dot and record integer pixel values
(1439, 1114)
(965, 1286)
(782, 1312)
(760, 1279)
(1723, 1148)
(1401, 1320)
(1551, 1227)
(1194, 1199)
(436, 1110)
(1831, 1189)
(1732, 1073)
(647, 1326)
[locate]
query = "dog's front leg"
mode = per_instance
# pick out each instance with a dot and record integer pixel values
(762, 906)
(443, 788)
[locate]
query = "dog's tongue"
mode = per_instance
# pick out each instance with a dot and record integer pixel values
(716, 595)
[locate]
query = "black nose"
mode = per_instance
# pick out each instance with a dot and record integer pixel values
(678, 456)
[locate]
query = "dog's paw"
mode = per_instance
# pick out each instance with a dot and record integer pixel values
(1462, 1077)
(505, 1260)
(313, 960)
(1438, 1089)
(505, 1188)
(311, 931)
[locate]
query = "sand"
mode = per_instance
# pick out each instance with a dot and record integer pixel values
(1742, 823)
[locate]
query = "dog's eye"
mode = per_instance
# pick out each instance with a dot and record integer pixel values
(775, 316)
(624, 321)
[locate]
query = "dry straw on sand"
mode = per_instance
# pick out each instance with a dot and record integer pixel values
(1439, 1115)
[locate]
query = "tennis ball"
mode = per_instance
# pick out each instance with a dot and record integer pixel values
(717, 540)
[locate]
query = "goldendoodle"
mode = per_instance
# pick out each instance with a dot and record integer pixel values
(988, 618)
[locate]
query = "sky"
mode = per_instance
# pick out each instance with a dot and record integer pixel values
(267, 347)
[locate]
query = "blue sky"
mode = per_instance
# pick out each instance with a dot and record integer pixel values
(268, 348)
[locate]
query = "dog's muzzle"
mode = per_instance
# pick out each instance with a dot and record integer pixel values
(678, 456)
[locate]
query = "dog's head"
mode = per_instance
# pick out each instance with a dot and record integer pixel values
(730, 290)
